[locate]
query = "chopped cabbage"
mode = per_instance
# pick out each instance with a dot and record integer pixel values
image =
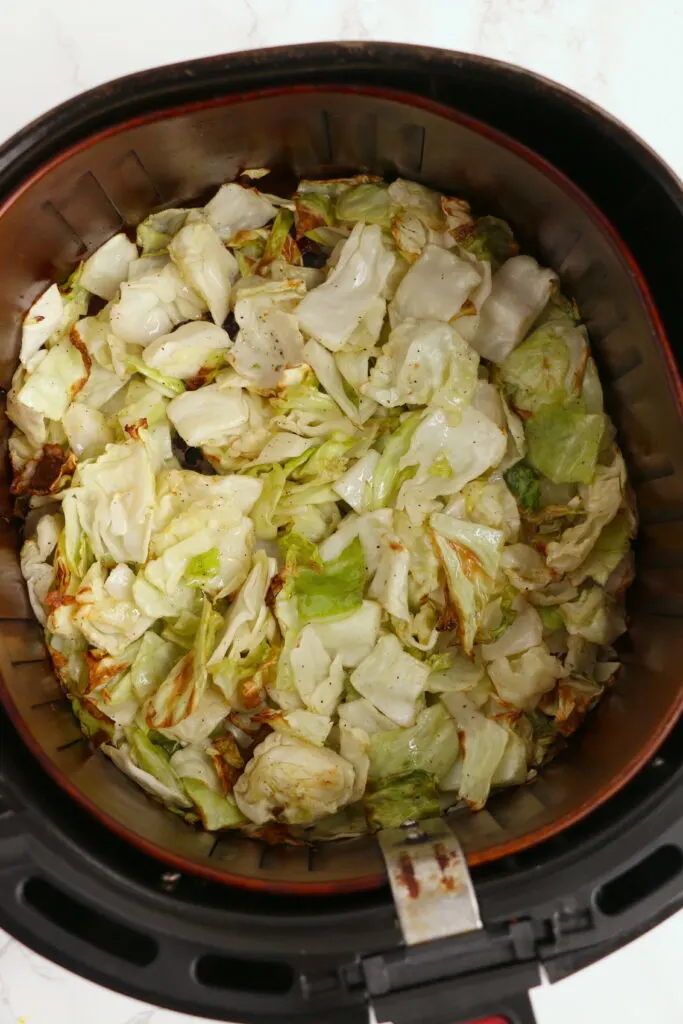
(328, 526)
(470, 557)
(391, 680)
(408, 797)
(235, 208)
(483, 743)
(436, 286)
(519, 291)
(431, 745)
(564, 444)
(336, 309)
(108, 267)
(290, 780)
(56, 381)
(424, 362)
(191, 350)
(206, 265)
(43, 319)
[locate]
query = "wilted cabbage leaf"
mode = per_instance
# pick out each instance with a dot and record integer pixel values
(288, 779)
(408, 797)
(336, 309)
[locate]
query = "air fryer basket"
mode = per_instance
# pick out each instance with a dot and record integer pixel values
(86, 897)
(89, 191)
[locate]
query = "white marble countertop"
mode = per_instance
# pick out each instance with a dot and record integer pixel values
(623, 54)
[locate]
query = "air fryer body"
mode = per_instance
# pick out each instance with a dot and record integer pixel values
(290, 943)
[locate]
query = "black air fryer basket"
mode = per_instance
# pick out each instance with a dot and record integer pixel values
(100, 879)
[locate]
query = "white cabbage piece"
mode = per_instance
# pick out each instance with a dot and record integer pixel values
(182, 490)
(214, 533)
(425, 362)
(154, 659)
(525, 631)
(361, 714)
(355, 485)
(54, 384)
(107, 268)
(483, 742)
(470, 557)
(547, 368)
(243, 615)
(293, 781)
(43, 319)
(491, 503)
(354, 747)
(418, 200)
(208, 267)
(357, 408)
(236, 450)
(601, 502)
(115, 500)
(143, 407)
(595, 616)
(106, 612)
(447, 457)
(180, 694)
(87, 430)
(516, 446)
(269, 341)
(212, 709)
(189, 350)
(389, 586)
(38, 573)
(280, 447)
(419, 630)
(235, 208)
(608, 552)
(309, 725)
(28, 421)
(591, 389)
(431, 745)
(353, 637)
(153, 304)
(305, 410)
(524, 567)
(145, 264)
(105, 348)
(209, 415)
(156, 231)
(336, 309)
(462, 674)
(192, 762)
(101, 387)
(392, 680)
(116, 698)
(519, 292)
(373, 528)
(319, 679)
(435, 287)
(172, 796)
(157, 603)
(487, 399)
(523, 679)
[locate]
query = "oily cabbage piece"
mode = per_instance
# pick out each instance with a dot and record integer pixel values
(326, 523)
